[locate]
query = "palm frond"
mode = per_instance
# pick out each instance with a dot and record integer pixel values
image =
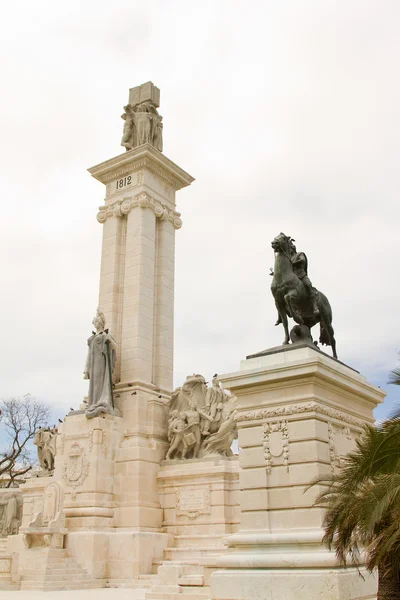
(394, 376)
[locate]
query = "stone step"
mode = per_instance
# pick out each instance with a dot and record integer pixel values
(168, 589)
(195, 591)
(179, 596)
(193, 541)
(70, 585)
(185, 554)
(191, 580)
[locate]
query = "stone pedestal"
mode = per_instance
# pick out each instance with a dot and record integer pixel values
(200, 501)
(299, 412)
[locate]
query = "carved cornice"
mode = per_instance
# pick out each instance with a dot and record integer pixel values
(144, 156)
(295, 409)
(143, 200)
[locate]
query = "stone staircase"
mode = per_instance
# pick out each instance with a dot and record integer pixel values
(182, 574)
(6, 582)
(56, 570)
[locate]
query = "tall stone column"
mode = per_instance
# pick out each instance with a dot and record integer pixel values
(137, 297)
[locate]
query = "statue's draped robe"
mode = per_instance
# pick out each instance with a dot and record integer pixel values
(99, 369)
(9, 513)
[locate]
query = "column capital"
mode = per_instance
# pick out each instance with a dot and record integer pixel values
(119, 208)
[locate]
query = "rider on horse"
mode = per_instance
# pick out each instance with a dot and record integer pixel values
(300, 268)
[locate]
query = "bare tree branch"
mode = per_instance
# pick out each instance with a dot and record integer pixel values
(20, 418)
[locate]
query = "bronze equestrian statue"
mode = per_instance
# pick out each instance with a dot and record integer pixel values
(296, 297)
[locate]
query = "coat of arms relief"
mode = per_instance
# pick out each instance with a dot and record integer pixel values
(75, 468)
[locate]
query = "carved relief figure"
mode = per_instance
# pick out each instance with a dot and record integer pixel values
(215, 398)
(143, 125)
(45, 440)
(193, 428)
(201, 420)
(221, 442)
(99, 367)
(176, 435)
(128, 136)
(10, 514)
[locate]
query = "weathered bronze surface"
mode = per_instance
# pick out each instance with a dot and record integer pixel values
(296, 297)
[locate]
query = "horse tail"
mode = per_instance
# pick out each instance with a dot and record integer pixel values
(324, 338)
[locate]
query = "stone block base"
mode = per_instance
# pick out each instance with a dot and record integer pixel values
(116, 554)
(293, 584)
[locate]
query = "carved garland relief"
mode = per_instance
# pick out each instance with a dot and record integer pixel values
(341, 442)
(276, 443)
(293, 409)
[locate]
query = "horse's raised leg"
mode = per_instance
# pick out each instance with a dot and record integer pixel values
(291, 304)
(285, 326)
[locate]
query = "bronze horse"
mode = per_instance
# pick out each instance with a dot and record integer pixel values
(292, 299)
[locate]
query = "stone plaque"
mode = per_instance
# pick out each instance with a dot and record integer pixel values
(193, 501)
(5, 565)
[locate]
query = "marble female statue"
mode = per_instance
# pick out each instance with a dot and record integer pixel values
(99, 367)
(143, 121)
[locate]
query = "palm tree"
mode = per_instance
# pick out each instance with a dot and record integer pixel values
(394, 376)
(363, 506)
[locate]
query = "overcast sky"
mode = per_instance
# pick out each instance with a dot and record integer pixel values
(287, 114)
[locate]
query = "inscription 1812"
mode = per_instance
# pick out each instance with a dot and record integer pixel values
(121, 183)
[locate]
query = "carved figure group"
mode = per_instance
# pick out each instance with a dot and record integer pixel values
(45, 440)
(143, 125)
(201, 420)
(10, 513)
(296, 297)
(100, 363)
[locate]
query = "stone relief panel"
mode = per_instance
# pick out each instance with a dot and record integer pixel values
(193, 501)
(201, 420)
(296, 409)
(5, 565)
(342, 440)
(276, 444)
(52, 502)
(75, 468)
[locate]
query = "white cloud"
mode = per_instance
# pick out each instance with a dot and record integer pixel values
(287, 115)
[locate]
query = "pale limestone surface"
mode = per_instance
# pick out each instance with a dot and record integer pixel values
(201, 419)
(107, 594)
(298, 412)
(142, 122)
(171, 529)
(45, 441)
(10, 511)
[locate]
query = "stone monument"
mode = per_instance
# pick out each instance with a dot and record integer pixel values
(140, 487)
(298, 413)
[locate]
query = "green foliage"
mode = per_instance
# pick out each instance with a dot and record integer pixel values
(362, 502)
